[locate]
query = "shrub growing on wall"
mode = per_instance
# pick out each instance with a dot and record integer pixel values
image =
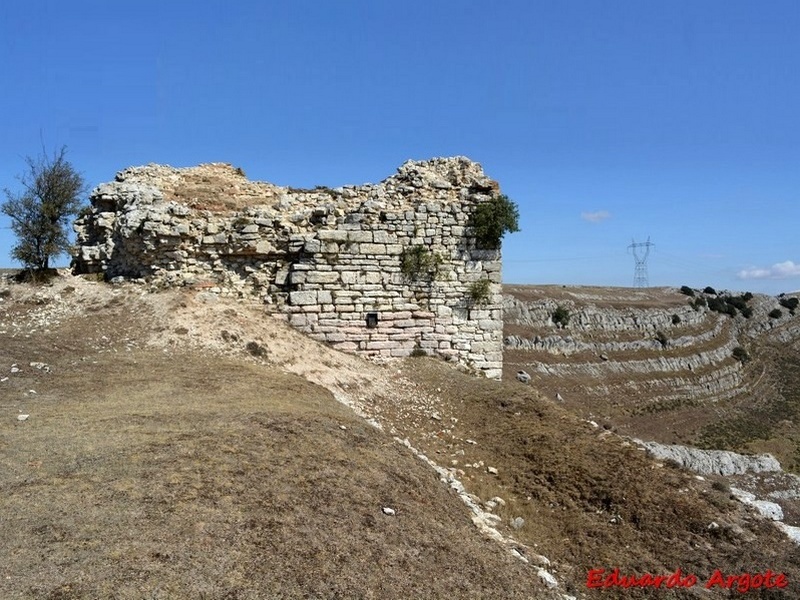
(418, 263)
(491, 220)
(479, 292)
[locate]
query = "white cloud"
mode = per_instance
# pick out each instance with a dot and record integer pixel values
(595, 217)
(783, 270)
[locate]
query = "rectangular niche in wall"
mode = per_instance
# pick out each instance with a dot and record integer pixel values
(372, 320)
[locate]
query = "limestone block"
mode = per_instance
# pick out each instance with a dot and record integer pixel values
(346, 346)
(299, 320)
(304, 298)
(382, 237)
(333, 235)
(493, 373)
(360, 236)
(403, 323)
(322, 277)
(349, 277)
(372, 248)
(313, 246)
(403, 337)
(481, 347)
(324, 297)
(400, 315)
(479, 314)
(443, 311)
(264, 247)
(423, 314)
(382, 345)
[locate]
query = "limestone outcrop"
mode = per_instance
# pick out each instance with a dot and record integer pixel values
(379, 269)
(712, 462)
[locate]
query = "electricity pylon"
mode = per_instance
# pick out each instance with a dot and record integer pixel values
(640, 270)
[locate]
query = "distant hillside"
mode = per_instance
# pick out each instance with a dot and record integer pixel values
(660, 364)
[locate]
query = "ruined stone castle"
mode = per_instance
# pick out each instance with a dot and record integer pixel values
(378, 269)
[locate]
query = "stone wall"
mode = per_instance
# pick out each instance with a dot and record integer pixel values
(331, 260)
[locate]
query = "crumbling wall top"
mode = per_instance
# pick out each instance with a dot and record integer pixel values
(221, 187)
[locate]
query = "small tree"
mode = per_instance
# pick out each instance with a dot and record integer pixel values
(560, 316)
(40, 214)
(494, 218)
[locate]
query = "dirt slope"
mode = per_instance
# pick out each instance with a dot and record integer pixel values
(185, 446)
(148, 471)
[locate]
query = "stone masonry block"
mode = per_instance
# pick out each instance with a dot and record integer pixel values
(304, 298)
(322, 277)
(360, 236)
(334, 235)
(372, 248)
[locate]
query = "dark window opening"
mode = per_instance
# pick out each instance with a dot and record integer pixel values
(372, 320)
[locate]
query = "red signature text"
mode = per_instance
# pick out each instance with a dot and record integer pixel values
(742, 582)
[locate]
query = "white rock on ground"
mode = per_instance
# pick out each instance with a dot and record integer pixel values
(789, 530)
(767, 509)
(712, 462)
(523, 377)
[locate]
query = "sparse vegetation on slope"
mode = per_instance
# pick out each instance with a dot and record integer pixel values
(168, 475)
(590, 499)
(169, 460)
(710, 380)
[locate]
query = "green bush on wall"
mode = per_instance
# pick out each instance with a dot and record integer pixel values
(479, 292)
(492, 219)
(418, 263)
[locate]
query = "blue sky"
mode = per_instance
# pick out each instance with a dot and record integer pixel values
(607, 122)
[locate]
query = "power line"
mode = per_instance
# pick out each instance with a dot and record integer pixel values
(563, 259)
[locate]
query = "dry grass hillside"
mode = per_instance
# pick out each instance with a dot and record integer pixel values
(181, 445)
(652, 365)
